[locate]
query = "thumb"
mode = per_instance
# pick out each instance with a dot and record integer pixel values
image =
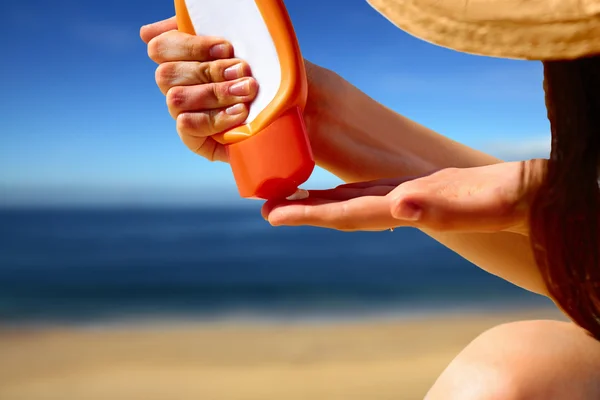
(150, 31)
(450, 208)
(407, 203)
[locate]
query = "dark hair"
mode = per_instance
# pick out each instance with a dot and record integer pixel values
(565, 212)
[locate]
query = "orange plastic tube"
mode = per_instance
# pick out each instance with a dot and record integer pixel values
(270, 156)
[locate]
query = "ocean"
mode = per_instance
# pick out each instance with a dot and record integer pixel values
(63, 266)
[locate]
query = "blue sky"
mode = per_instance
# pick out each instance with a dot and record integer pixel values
(81, 119)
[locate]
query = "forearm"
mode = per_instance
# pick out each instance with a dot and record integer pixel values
(382, 143)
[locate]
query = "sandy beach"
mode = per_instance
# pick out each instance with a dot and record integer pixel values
(382, 359)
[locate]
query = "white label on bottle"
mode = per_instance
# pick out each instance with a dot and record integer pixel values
(241, 23)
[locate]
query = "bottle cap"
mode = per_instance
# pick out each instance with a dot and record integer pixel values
(274, 162)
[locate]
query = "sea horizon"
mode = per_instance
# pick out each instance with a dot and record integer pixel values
(106, 265)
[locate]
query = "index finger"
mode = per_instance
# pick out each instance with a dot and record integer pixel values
(150, 31)
(362, 213)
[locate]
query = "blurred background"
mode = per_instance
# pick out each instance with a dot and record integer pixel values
(108, 222)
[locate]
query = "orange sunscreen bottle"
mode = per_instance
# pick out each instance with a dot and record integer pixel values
(269, 154)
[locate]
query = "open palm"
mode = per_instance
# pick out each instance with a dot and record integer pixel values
(481, 199)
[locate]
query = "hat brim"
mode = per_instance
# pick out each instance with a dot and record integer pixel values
(529, 40)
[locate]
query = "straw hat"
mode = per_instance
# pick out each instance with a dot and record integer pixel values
(521, 29)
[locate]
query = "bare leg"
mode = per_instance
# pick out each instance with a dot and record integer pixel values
(528, 360)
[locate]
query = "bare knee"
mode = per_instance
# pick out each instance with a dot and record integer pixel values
(475, 382)
(473, 378)
(524, 360)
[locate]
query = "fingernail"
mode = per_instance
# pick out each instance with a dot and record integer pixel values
(233, 72)
(408, 211)
(235, 110)
(219, 51)
(241, 88)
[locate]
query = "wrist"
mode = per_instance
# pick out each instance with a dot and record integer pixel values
(533, 175)
(357, 139)
(337, 118)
